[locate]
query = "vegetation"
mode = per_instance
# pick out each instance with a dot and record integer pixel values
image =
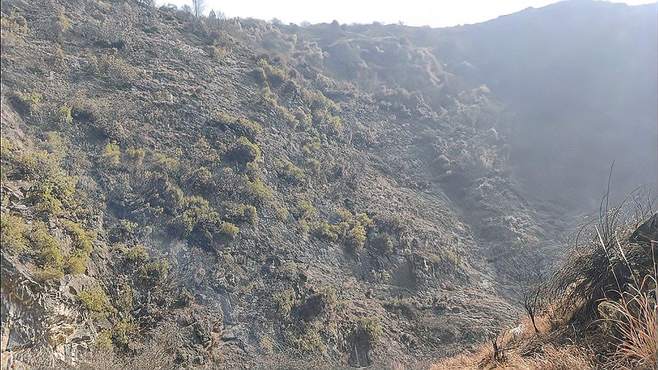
(229, 230)
(244, 151)
(111, 155)
(290, 172)
(242, 213)
(48, 252)
(14, 233)
(96, 301)
(82, 248)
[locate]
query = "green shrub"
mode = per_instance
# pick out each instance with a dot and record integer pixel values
(356, 237)
(122, 331)
(95, 300)
(27, 103)
(197, 215)
(137, 254)
(63, 22)
(369, 327)
(117, 71)
(14, 22)
(327, 231)
(154, 272)
(125, 298)
(82, 240)
(309, 341)
(312, 146)
(111, 155)
(281, 213)
(244, 151)
(77, 264)
(64, 115)
(217, 52)
(258, 191)
(103, 341)
(52, 188)
(13, 230)
(314, 165)
(284, 301)
(136, 155)
(303, 118)
(56, 145)
(290, 172)
(240, 126)
(259, 75)
(364, 219)
(201, 179)
(166, 164)
(305, 209)
(242, 213)
(52, 196)
(82, 248)
(275, 75)
(229, 230)
(48, 251)
(383, 243)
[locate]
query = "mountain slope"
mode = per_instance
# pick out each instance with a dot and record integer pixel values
(235, 193)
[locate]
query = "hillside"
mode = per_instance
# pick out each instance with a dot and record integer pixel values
(182, 192)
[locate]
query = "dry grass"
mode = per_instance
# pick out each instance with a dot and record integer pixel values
(634, 326)
(603, 306)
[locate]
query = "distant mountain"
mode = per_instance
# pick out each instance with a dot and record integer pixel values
(580, 81)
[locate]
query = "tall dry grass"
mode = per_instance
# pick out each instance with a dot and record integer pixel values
(633, 323)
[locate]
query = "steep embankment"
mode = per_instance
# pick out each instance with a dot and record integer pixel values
(173, 196)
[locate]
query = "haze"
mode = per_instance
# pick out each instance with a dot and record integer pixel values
(411, 12)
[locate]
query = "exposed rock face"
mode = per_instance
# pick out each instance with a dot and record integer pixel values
(184, 192)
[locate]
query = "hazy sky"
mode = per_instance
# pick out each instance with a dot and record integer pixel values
(437, 13)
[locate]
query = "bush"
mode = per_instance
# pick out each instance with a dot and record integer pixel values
(290, 172)
(48, 251)
(327, 231)
(229, 230)
(52, 189)
(275, 75)
(284, 301)
(122, 331)
(244, 151)
(117, 71)
(242, 213)
(166, 164)
(64, 115)
(154, 272)
(241, 126)
(82, 248)
(383, 243)
(356, 237)
(258, 191)
(27, 103)
(370, 327)
(197, 216)
(305, 209)
(111, 155)
(13, 230)
(201, 180)
(281, 213)
(137, 254)
(95, 300)
(136, 155)
(312, 146)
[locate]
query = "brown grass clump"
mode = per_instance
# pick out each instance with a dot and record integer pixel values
(602, 311)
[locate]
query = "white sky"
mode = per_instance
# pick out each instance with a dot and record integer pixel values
(436, 13)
